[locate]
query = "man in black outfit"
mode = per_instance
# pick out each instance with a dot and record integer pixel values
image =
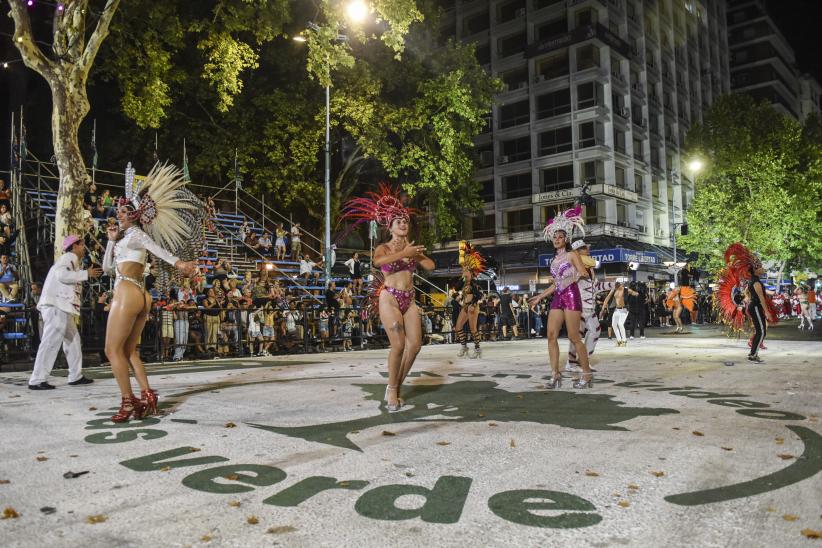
(333, 306)
(638, 308)
(506, 314)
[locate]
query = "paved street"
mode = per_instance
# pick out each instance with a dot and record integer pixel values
(672, 447)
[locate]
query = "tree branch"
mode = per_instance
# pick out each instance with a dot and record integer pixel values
(31, 53)
(99, 34)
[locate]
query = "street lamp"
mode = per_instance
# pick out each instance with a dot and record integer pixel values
(356, 11)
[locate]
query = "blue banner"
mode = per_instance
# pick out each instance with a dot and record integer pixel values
(608, 256)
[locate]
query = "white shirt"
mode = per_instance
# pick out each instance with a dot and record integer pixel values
(64, 285)
(306, 266)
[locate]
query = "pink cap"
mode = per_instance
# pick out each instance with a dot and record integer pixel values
(69, 241)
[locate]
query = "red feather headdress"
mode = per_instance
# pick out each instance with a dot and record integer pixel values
(739, 262)
(383, 207)
(473, 261)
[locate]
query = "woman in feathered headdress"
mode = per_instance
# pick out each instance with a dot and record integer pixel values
(469, 296)
(158, 216)
(393, 288)
(566, 305)
(741, 265)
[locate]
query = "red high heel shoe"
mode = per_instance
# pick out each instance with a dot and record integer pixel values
(129, 407)
(149, 400)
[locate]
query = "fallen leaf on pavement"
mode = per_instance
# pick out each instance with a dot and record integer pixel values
(42, 459)
(10, 513)
(780, 441)
(658, 474)
(72, 475)
(771, 509)
(727, 448)
(165, 468)
(252, 520)
(205, 538)
(443, 443)
(195, 449)
(633, 486)
(5, 482)
(810, 533)
(785, 456)
(98, 518)
(388, 433)
(234, 503)
(232, 477)
(624, 503)
(492, 424)
(281, 529)
(230, 425)
(591, 473)
(790, 517)
(481, 414)
(697, 433)
(48, 509)
(92, 409)
(513, 443)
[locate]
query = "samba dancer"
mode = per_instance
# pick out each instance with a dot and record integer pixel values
(566, 306)
(172, 218)
(469, 295)
(392, 292)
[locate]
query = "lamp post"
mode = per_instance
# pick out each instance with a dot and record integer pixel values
(356, 11)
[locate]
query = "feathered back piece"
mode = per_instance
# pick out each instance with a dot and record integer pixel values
(170, 214)
(566, 221)
(383, 207)
(473, 261)
(741, 261)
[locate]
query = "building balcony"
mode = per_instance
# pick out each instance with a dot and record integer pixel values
(614, 191)
(610, 229)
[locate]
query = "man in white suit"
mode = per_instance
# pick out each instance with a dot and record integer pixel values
(59, 306)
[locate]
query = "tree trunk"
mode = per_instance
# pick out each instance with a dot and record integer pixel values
(70, 108)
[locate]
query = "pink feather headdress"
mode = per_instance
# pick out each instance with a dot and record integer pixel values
(566, 221)
(383, 207)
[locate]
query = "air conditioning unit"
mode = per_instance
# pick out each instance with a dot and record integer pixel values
(503, 159)
(539, 78)
(521, 13)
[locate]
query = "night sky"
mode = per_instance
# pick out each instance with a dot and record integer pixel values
(799, 22)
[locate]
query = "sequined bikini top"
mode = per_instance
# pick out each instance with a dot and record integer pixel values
(563, 270)
(401, 265)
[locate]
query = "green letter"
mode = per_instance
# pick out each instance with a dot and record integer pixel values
(443, 503)
(106, 424)
(156, 461)
(514, 506)
(738, 403)
(263, 476)
(701, 394)
(307, 488)
(770, 414)
(126, 435)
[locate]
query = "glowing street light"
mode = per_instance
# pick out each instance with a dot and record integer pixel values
(695, 165)
(356, 11)
(300, 38)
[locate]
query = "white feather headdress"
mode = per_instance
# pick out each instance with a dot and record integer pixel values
(566, 221)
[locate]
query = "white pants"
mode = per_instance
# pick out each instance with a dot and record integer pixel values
(58, 329)
(180, 338)
(812, 311)
(618, 323)
(589, 330)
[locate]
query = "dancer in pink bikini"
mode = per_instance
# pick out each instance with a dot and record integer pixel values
(566, 306)
(393, 289)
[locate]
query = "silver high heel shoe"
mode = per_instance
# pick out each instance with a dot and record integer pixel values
(554, 383)
(388, 406)
(582, 383)
(463, 351)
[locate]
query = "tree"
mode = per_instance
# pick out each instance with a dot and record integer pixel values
(759, 187)
(66, 71)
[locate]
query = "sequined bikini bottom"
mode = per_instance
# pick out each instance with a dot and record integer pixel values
(404, 297)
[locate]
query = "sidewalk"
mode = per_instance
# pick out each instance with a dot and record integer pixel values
(670, 448)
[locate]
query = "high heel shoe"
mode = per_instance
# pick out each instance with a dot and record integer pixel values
(149, 400)
(129, 407)
(585, 383)
(554, 383)
(391, 408)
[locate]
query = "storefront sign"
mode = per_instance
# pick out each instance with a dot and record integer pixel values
(609, 256)
(555, 196)
(615, 191)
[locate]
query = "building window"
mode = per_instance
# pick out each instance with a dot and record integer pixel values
(555, 141)
(556, 178)
(485, 155)
(590, 134)
(553, 66)
(511, 10)
(552, 28)
(586, 17)
(619, 177)
(514, 150)
(591, 210)
(539, 4)
(512, 44)
(519, 220)
(476, 23)
(655, 189)
(554, 104)
(516, 186)
(587, 95)
(619, 142)
(587, 57)
(515, 78)
(487, 191)
(622, 214)
(514, 114)
(638, 152)
(484, 54)
(483, 226)
(593, 172)
(639, 184)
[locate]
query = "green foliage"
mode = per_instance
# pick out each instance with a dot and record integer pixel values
(222, 79)
(761, 185)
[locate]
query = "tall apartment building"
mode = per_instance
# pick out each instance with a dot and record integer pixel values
(599, 92)
(763, 64)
